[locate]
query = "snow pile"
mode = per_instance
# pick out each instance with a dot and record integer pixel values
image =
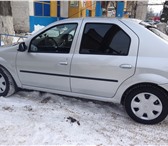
(17, 39)
(37, 28)
(35, 118)
(2, 43)
(13, 39)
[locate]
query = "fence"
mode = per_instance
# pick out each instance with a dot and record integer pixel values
(10, 35)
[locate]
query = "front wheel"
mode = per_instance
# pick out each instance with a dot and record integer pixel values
(4, 84)
(147, 104)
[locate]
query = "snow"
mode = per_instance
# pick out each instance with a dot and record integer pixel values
(2, 43)
(37, 118)
(37, 28)
(18, 39)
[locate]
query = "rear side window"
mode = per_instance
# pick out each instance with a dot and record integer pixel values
(104, 39)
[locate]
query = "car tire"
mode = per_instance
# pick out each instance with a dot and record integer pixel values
(147, 104)
(4, 83)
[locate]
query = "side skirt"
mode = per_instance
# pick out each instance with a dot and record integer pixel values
(105, 99)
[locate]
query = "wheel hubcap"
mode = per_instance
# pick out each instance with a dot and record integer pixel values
(2, 84)
(146, 106)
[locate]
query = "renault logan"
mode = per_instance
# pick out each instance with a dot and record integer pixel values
(114, 60)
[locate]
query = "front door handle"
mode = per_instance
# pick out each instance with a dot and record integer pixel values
(126, 66)
(63, 63)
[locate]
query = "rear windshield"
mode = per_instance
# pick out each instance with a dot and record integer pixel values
(155, 31)
(159, 33)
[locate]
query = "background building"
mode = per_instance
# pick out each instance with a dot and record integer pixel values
(27, 14)
(46, 12)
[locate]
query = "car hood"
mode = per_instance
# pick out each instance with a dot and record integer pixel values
(9, 48)
(8, 54)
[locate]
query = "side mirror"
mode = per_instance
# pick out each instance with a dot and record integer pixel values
(22, 47)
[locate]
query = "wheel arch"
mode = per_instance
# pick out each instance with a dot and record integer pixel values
(128, 90)
(12, 73)
(139, 79)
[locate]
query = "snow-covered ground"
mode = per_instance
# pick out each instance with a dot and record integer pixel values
(31, 117)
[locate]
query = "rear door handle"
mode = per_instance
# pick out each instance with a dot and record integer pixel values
(126, 66)
(63, 63)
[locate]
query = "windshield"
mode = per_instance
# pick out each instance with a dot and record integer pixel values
(155, 31)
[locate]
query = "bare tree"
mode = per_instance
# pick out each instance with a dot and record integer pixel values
(5, 8)
(6, 20)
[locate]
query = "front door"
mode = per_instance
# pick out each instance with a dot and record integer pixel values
(47, 62)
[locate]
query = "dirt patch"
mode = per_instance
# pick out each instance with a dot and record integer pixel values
(28, 108)
(8, 108)
(45, 100)
(73, 120)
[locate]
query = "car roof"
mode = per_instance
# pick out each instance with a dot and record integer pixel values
(132, 20)
(103, 18)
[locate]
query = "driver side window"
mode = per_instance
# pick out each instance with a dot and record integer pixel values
(57, 39)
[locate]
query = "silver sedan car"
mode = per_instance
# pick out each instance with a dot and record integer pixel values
(113, 60)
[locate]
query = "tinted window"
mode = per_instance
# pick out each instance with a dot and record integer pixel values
(57, 39)
(104, 39)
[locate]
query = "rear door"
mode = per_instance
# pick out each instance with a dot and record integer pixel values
(105, 56)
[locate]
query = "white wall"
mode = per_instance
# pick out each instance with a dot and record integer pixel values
(64, 9)
(141, 10)
(31, 8)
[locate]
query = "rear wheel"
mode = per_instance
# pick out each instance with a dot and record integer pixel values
(147, 104)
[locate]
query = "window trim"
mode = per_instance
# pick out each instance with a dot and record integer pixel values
(29, 51)
(94, 23)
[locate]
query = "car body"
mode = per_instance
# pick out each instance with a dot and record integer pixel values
(112, 60)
